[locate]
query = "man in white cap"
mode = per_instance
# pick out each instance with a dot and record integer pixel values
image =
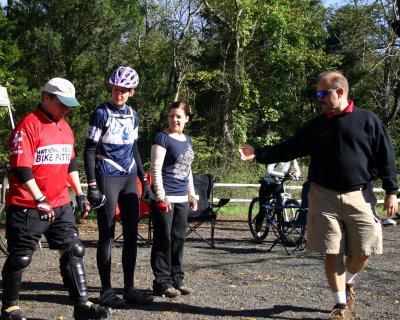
(43, 164)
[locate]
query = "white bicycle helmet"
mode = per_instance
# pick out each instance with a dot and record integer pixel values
(125, 77)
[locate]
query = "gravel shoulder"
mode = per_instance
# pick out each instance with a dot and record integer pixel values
(237, 280)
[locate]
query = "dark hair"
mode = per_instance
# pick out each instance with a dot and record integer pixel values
(51, 95)
(180, 105)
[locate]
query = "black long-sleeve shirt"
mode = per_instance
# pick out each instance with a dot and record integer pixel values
(344, 150)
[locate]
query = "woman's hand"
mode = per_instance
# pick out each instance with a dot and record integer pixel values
(193, 203)
(163, 206)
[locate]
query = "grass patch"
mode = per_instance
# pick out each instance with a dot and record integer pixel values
(240, 211)
(234, 210)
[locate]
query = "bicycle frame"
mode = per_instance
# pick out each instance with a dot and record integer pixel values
(258, 219)
(286, 196)
(287, 214)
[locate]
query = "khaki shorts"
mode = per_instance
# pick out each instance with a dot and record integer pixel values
(343, 222)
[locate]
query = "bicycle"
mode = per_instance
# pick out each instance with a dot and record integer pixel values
(288, 211)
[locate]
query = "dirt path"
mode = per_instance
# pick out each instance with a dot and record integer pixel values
(237, 280)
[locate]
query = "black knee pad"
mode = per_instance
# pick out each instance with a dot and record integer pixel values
(12, 274)
(72, 271)
(77, 249)
(15, 264)
(19, 262)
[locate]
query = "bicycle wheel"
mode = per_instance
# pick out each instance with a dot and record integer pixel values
(254, 209)
(289, 236)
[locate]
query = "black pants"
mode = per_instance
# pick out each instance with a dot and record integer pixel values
(265, 193)
(168, 246)
(24, 230)
(124, 191)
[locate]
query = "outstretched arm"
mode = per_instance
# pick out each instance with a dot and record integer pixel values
(246, 152)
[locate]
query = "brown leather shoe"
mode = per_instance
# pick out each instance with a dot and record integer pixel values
(340, 312)
(171, 292)
(351, 295)
(184, 290)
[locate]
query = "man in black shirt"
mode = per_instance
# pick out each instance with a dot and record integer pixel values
(346, 146)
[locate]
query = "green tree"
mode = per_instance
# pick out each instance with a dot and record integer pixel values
(13, 81)
(362, 36)
(161, 49)
(79, 40)
(258, 61)
(368, 50)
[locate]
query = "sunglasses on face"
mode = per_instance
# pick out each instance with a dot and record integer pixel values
(323, 94)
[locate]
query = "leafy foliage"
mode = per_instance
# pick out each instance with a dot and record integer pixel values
(248, 68)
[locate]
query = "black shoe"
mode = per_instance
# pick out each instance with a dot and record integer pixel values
(12, 313)
(137, 296)
(90, 311)
(110, 299)
(257, 237)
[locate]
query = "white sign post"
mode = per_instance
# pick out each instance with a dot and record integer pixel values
(5, 102)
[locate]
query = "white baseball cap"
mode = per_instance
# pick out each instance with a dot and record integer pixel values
(63, 89)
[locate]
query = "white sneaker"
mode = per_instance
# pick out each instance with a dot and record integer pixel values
(389, 222)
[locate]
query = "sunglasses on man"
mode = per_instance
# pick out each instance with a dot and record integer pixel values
(323, 94)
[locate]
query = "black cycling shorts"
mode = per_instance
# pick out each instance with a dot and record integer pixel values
(24, 229)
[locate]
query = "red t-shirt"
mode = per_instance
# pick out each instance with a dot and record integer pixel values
(46, 147)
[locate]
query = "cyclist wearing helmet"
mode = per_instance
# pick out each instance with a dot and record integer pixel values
(112, 165)
(272, 184)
